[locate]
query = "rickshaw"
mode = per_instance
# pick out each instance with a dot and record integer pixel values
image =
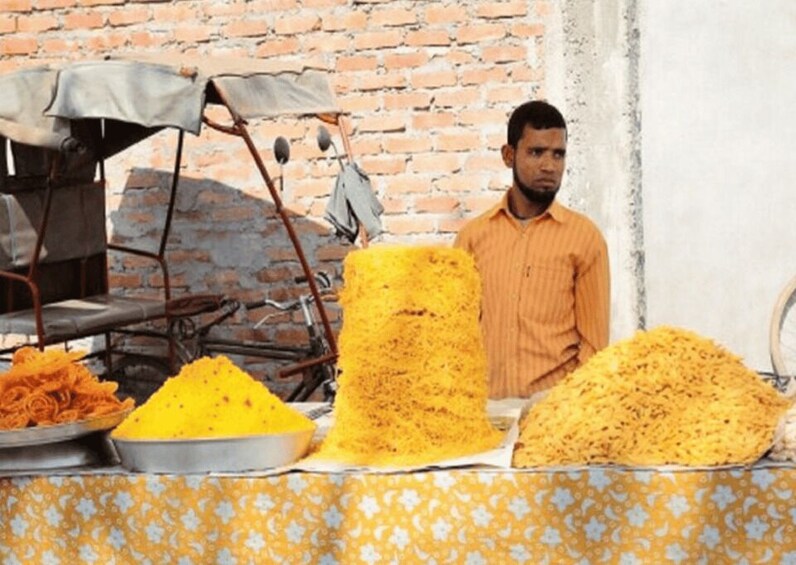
(58, 126)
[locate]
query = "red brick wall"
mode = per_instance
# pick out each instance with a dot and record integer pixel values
(428, 86)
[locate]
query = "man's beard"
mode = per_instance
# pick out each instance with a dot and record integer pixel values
(534, 195)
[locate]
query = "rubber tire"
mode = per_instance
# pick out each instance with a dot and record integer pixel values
(139, 376)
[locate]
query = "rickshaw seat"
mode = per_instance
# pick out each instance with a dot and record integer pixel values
(72, 319)
(71, 274)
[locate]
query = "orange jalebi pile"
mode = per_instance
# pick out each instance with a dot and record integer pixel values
(50, 387)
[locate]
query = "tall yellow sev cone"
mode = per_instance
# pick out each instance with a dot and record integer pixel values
(413, 386)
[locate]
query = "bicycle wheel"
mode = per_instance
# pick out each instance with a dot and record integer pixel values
(139, 376)
(782, 333)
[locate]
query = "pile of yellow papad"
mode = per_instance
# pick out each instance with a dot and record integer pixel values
(413, 384)
(665, 396)
(209, 398)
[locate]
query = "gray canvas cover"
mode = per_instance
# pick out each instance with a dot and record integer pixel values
(153, 91)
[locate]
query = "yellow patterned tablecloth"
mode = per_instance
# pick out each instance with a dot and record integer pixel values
(599, 515)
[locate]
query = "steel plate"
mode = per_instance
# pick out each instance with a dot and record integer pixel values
(222, 455)
(40, 435)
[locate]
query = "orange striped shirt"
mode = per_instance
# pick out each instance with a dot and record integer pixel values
(546, 293)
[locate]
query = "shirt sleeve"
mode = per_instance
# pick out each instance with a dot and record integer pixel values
(592, 301)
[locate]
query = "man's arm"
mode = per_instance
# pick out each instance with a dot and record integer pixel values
(593, 302)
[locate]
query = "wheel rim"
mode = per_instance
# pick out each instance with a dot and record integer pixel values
(783, 332)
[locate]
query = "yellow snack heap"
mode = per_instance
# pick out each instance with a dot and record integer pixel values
(211, 397)
(413, 386)
(666, 396)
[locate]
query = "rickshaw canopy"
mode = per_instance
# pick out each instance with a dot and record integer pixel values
(40, 104)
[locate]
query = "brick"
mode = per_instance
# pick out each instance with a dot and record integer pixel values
(480, 33)
(193, 33)
(405, 60)
(445, 14)
(409, 143)
(479, 203)
(296, 24)
(459, 57)
(36, 23)
(458, 142)
(405, 225)
(431, 120)
(503, 54)
(8, 23)
(397, 205)
(427, 38)
(510, 93)
(502, 10)
(384, 165)
(128, 16)
(16, 5)
(326, 43)
(392, 17)
(436, 204)
(435, 163)
(125, 280)
(365, 145)
(98, 2)
(281, 46)
(382, 123)
(525, 73)
(57, 46)
(404, 100)
(457, 97)
(378, 39)
(270, 6)
(543, 8)
(83, 20)
(311, 188)
(332, 253)
(145, 39)
(484, 75)
(173, 13)
(18, 46)
(105, 42)
(360, 103)
(450, 225)
(54, 4)
(459, 183)
(381, 81)
(484, 162)
(351, 20)
(314, 4)
(219, 9)
(357, 63)
(246, 28)
(435, 79)
(526, 31)
(483, 117)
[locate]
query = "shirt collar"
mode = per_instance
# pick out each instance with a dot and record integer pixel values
(556, 211)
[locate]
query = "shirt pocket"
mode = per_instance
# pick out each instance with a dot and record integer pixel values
(547, 294)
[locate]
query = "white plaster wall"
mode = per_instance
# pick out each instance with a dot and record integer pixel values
(718, 127)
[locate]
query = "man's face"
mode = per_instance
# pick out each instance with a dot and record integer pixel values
(538, 162)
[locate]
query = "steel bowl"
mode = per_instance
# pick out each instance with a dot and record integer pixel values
(213, 455)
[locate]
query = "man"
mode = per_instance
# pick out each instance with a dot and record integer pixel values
(544, 267)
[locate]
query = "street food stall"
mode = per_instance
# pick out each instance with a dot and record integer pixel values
(662, 447)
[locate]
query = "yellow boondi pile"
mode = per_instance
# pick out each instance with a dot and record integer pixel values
(413, 386)
(211, 397)
(666, 396)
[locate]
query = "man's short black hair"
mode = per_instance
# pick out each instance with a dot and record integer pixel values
(538, 115)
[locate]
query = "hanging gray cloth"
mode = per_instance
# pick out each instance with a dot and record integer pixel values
(353, 202)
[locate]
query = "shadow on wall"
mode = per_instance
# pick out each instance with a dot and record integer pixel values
(222, 241)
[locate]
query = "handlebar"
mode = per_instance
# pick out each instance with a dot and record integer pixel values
(324, 287)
